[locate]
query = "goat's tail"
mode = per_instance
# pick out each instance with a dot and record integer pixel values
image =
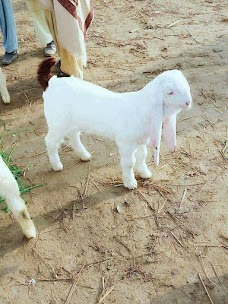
(44, 72)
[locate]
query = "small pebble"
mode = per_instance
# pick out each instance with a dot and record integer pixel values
(31, 282)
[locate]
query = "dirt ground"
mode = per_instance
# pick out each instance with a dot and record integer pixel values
(165, 242)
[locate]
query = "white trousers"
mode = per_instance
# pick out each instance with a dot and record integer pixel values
(39, 21)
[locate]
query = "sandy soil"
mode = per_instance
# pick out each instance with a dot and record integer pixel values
(96, 239)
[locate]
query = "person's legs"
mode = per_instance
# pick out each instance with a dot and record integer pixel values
(41, 27)
(43, 33)
(8, 28)
(70, 65)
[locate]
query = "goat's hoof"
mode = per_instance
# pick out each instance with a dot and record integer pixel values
(6, 99)
(58, 167)
(86, 156)
(131, 185)
(30, 234)
(145, 174)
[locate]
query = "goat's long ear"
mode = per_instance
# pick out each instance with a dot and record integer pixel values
(169, 132)
(156, 131)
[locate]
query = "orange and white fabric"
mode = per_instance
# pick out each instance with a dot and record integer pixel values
(68, 22)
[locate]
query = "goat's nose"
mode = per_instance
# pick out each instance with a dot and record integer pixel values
(187, 103)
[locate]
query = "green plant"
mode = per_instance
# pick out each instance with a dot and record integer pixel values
(17, 173)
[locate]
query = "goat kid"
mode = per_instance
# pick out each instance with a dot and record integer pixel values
(10, 192)
(3, 88)
(132, 119)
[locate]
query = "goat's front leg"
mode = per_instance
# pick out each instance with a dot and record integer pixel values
(20, 212)
(141, 165)
(127, 162)
(77, 145)
(52, 143)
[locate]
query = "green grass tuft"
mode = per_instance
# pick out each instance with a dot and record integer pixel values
(17, 172)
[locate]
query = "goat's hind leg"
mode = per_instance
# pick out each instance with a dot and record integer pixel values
(77, 145)
(53, 142)
(141, 165)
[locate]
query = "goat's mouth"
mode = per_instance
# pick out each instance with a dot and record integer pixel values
(188, 105)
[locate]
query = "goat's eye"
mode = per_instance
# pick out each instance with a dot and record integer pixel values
(170, 93)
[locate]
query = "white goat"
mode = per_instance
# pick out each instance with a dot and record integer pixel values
(10, 192)
(3, 88)
(131, 119)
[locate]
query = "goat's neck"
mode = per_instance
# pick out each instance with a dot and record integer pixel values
(152, 92)
(149, 104)
(171, 110)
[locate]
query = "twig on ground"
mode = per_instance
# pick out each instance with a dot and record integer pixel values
(102, 291)
(212, 124)
(45, 262)
(174, 23)
(161, 190)
(96, 186)
(86, 184)
(212, 246)
(78, 161)
(106, 294)
(97, 262)
(187, 185)
(37, 154)
(204, 286)
(103, 284)
(219, 278)
(162, 206)
(71, 292)
(47, 230)
(61, 279)
(177, 219)
(145, 200)
(204, 270)
(137, 29)
(189, 117)
(176, 238)
(74, 285)
(150, 207)
(73, 211)
(54, 280)
(26, 97)
(183, 198)
(192, 36)
(121, 243)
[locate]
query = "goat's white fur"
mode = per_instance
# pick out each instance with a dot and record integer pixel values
(3, 88)
(72, 105)
(10, 192)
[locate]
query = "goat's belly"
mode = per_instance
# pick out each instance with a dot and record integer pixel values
(104, 132)
(93, 124)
